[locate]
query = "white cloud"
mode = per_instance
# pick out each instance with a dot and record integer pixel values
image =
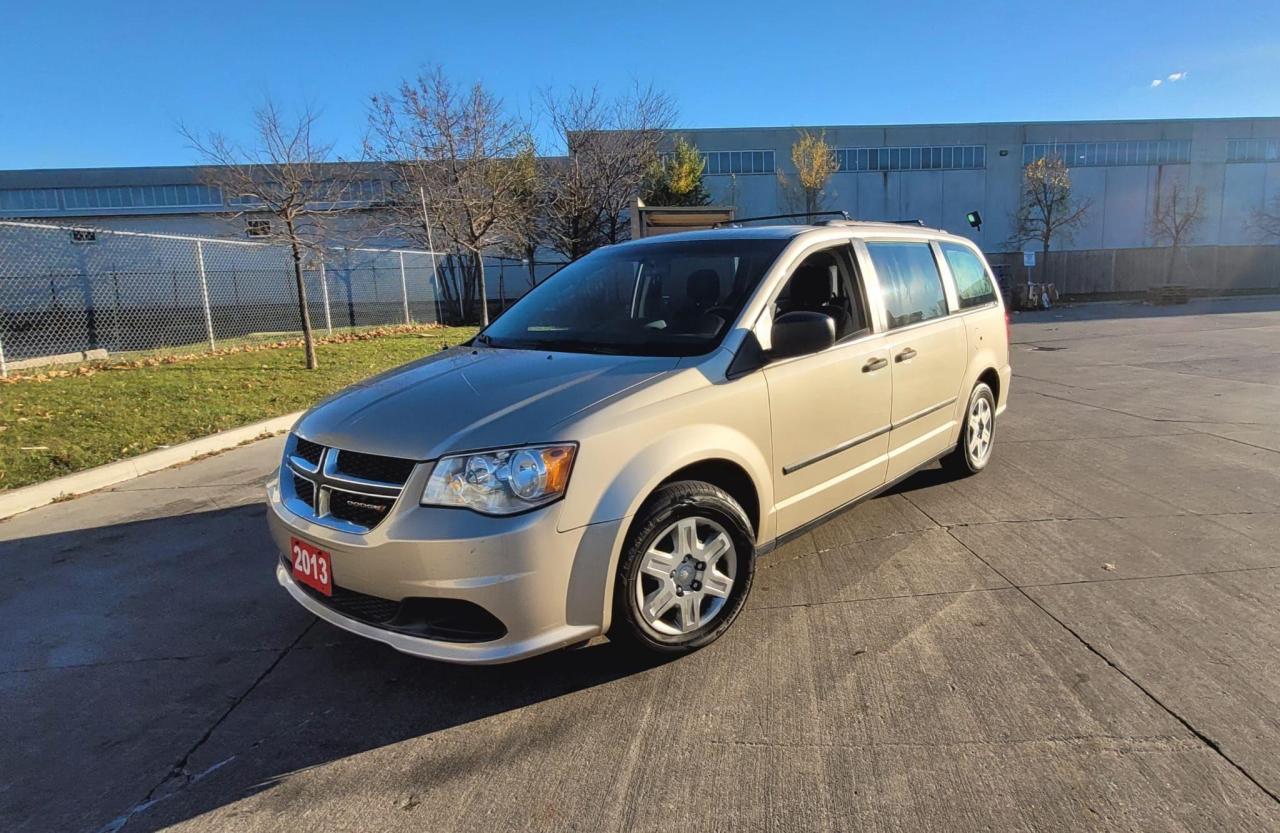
(1177, 76)
(1155, 82)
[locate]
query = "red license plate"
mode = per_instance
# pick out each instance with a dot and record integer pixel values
(311, 565)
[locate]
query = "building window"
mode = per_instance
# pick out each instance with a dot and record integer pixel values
(141, 196)
(364, 190)
(83, 235)
(913, 158)
(723, 162)
(29, 199)
(1099, 154)
(257, 228)
(1253, 150)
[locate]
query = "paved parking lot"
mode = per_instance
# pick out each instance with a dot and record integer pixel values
(1086, 637)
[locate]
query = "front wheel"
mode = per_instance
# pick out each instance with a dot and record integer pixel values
(686, 569)
(977, 434)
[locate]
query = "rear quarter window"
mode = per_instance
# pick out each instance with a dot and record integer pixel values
(973, 284)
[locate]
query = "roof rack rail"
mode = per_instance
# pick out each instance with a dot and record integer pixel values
(850, 222)
(738, 221)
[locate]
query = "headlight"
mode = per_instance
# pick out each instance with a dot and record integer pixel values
(501, 482)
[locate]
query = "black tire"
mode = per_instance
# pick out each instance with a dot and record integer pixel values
(701, 502)
(963, 461)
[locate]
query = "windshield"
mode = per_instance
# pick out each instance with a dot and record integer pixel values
(663, 299)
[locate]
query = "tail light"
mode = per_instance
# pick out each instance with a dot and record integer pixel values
(1008, 337)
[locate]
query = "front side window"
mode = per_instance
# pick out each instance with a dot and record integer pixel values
(824, 282)
(658, 298)
(973, 284)
(909, 281)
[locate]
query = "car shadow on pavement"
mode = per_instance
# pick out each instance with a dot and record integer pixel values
(205, 691)
(934, 475)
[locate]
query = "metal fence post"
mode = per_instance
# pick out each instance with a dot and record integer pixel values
(404, 289)
(324, 293)
(204, 293)
(4, 367)
(435, 290)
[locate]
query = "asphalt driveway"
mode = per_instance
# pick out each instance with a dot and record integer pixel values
(1086, 637)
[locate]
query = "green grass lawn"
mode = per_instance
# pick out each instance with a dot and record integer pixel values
(67, 424)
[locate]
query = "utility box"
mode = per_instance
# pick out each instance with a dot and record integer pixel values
(651, 220)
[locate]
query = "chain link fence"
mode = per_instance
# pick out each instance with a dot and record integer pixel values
(75, 290)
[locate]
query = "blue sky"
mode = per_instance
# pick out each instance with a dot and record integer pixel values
(104, 84)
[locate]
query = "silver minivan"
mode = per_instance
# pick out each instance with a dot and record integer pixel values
(614, 453)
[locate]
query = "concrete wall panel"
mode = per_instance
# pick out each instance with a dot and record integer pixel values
(1243, 192)
(923, 196)
(1126, 203)
(1088, 184)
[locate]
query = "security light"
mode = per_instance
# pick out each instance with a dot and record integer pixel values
(975, 220)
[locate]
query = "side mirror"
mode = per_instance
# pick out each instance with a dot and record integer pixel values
(800, 332)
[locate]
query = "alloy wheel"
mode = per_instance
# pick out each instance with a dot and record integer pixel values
(686, 576)
(980, 425)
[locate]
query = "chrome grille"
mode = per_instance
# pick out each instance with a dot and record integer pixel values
(374, 467)
(347, 490)
(304, 489)
(308, 450)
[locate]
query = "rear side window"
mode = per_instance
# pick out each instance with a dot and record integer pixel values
(973, 284)
(909, 281)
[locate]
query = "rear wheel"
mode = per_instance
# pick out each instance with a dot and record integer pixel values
(686, 569)
(977, 434)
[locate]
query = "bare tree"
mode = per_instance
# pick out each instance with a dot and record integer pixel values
(1174, 218)
(524, 227)
(1266, 221)
(610, 146)
(285, 177)
(1047, 211)
(815, 161)
(457, 148)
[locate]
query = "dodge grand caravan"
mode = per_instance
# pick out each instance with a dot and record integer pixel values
(614, 452)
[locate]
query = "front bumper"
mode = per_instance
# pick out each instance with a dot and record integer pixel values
(547, 587)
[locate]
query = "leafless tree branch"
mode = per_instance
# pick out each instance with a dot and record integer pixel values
(455, 149)
(1174, 217)
(285, 176)
(611, 145)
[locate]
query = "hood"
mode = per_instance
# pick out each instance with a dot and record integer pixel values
(467, 398)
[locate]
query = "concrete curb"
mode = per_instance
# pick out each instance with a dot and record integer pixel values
(40, 494)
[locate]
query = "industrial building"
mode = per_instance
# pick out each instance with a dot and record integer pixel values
(933, 173)
(939, 173)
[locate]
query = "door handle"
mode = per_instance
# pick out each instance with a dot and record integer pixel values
(905, 355)
(875, 364)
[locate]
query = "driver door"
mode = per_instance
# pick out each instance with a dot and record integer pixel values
(830, 409)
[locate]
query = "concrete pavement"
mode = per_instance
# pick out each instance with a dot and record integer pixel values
(1085, 637)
